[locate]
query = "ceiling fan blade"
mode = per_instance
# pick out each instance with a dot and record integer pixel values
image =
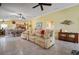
(41, 7)
(47, 4)
(35, 6)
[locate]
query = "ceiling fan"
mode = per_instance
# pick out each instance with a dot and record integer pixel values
(41, 5)
(21, 16)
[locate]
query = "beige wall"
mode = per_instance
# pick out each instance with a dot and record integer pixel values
(66, 14)
(57, 17)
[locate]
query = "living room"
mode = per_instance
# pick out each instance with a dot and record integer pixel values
(30, 30)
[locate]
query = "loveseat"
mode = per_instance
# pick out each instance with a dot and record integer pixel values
(42, 37)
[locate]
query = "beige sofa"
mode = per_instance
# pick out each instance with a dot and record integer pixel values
(45, 41)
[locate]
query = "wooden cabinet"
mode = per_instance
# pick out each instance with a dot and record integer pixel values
(2, 32)
(70, 37)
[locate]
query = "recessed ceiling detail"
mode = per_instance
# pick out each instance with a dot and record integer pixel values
(8, 9)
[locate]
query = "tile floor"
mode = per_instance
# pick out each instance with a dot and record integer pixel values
(17, 46)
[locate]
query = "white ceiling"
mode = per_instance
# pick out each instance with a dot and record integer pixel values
(10, 10)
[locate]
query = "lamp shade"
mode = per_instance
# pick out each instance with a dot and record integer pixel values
(3, 26)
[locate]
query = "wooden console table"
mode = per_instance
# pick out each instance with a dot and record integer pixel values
(70, 37)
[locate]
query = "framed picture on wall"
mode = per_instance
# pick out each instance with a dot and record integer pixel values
(38, 25)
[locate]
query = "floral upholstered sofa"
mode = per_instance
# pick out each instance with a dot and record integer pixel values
(42, 37)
